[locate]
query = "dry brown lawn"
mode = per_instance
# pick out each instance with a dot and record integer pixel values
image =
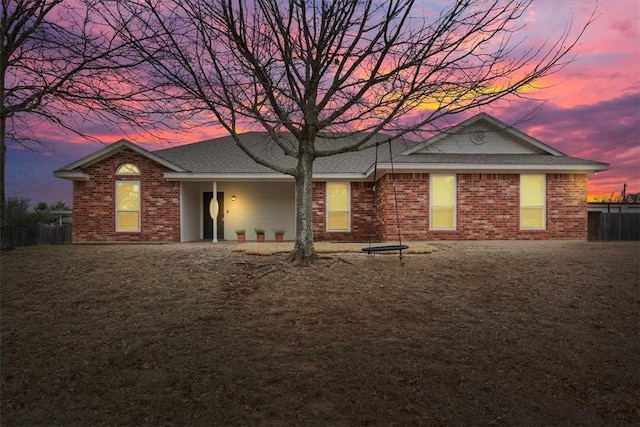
(478, 333)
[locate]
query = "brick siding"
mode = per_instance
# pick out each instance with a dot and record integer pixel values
(94, 206)
(488, 208)
(362, 227)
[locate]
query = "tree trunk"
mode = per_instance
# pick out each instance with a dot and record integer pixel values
(303, 251)
(4, 244)
(3, 154)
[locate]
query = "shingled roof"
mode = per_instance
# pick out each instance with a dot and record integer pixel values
(221, 158)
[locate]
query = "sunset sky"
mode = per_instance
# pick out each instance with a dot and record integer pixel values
(592, 107)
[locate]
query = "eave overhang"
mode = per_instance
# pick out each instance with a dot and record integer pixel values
(206, 177)
(489, 168)
(247, 177)
(72, 175)
(384, 168)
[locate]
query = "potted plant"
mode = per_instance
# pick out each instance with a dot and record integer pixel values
(242, 234)
(259, 234)
(279, 233)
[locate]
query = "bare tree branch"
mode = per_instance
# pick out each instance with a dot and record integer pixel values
(313, 68)
(61, 63)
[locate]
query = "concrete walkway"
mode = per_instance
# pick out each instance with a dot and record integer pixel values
(271, 248)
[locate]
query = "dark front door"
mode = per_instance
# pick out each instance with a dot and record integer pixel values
(206, 215)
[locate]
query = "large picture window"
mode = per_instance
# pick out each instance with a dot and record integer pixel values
(127, 206)
(443, 202)
(338, 206)
(532, 202)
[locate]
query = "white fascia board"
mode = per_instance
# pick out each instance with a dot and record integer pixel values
(339, 176)
(205, 177)
(72, 175)
(173, 176)
(462, 167)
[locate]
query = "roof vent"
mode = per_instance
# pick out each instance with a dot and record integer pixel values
(478, 136)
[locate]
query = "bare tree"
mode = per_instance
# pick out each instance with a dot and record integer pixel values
(310, 68)
(60, 64)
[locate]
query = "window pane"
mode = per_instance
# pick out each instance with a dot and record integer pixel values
(532, 201)
(443, 187)
(128, 221)
(531, 218)
(338, 221)
(442, 218)
(128, 196)
(443, 202)
(531, 190)
(128, 169)
(338, 209)
(337, 196)
(128, 206)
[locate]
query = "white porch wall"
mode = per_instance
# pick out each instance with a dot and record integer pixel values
(190, 202)
(268, 205)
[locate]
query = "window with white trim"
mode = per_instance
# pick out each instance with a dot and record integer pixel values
(128, 206)
(532, 202)
(338, 206)
(442, 194)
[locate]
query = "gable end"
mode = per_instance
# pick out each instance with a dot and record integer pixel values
(76, 171)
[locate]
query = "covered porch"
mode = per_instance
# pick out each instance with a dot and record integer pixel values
(238, 204)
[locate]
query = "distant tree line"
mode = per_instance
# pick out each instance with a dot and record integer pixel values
(18, 213)
(623, 197)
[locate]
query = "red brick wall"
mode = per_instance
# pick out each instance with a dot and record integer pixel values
(362, 228)
(94, 202)
(488, 208)
(567, 216)
(412, 192)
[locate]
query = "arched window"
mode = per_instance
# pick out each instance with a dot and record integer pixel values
(128, 199)
(128, 169)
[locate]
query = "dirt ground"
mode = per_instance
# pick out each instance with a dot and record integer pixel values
(478, 333)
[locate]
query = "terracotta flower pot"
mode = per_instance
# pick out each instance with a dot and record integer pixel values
(260, 237)
(241, 237)
(279, 237)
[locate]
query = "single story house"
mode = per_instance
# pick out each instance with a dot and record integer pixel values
(481, 179)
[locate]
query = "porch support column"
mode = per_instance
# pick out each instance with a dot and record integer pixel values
(215, 218)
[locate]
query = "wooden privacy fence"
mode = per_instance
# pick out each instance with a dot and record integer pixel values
(19, 236)
(614, 226)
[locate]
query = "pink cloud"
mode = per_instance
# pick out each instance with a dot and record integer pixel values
(592, 108)
(606, 65)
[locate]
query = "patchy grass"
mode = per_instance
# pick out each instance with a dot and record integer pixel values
(478, 333)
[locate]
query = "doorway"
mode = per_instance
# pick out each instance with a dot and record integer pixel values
(207, 223)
